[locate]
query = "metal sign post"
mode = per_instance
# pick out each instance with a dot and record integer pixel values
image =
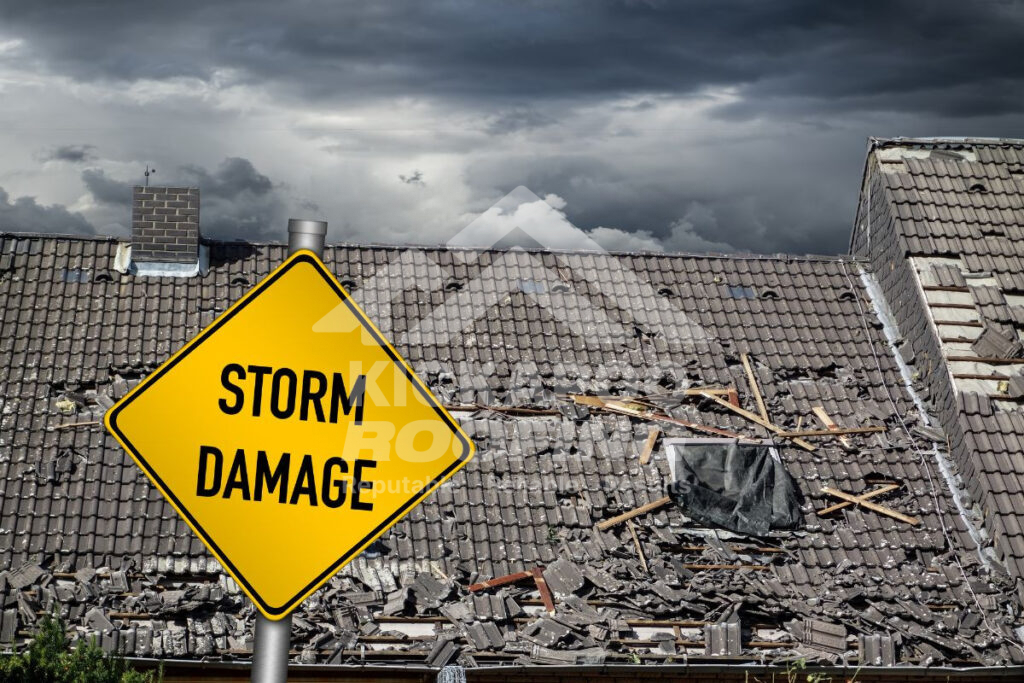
(270, 651)
(274, 638)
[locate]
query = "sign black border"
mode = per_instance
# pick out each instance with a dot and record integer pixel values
(291, 604)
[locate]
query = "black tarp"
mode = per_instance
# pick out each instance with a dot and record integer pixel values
(742, 487)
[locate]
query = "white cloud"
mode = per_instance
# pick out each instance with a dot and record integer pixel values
(554, 201)
(522, 216)
(688, 234)
(614, 239)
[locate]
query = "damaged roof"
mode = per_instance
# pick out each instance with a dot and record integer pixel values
(942, 221)
(507, 339)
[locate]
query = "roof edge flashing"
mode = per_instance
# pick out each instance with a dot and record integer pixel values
(123, 263)
(954, 482)
(901, 141)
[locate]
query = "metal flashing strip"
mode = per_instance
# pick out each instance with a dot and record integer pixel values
(123, 263)
(953, 481)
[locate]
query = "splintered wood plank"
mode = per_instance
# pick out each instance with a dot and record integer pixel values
(869, 494)
(592, 401)
(881, 509)
(632, 411)
(635, 512)
(77, 424)
(500, 581)
(835, 432)
(636, 542)
(698, 427)
(627, 407)
(652, 439)
(696, 391)
(829, 423)
(756, 390)
(542, 588)
(756, 419)
(734, 397)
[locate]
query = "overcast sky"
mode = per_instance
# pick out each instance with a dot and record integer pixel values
(654, 125)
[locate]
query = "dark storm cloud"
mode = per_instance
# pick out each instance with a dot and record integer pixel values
(74, 154)
(105, 189)
(516, 119)
(235, 177)
(848, 52)
(24, 214)
(811, 75)
(236, 200)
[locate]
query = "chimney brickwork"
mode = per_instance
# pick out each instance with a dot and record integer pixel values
(165, 224)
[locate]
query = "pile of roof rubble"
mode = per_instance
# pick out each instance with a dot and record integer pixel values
(645, 585)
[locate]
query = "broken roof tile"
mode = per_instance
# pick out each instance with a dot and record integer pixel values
(723, 639)
(563, 577)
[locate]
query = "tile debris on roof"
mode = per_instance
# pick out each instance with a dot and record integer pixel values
(90, 535)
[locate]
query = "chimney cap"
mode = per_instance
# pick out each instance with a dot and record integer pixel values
(306, 234)
(307, 226)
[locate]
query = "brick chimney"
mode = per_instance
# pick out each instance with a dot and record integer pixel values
(165, 225)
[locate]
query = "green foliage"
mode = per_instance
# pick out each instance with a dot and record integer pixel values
(796, 672)
(51, 659)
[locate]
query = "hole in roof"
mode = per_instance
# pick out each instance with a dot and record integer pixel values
(847, 295)
(240, 280)
(742, 292)
(946, 154)
(530, 286)
(376, 549)
(978, 188)
(76, 274)
(770, 294)
(875, 478)
(667, 291)
(640, 331)
(453, 285)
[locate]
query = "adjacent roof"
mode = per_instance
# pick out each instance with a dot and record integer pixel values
(956, 208)
(503, 337)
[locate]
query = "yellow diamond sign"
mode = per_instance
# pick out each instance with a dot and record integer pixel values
(289, 434)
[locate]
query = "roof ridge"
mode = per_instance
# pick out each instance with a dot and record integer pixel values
(58, 235)
(941, 140)
(736, 256)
